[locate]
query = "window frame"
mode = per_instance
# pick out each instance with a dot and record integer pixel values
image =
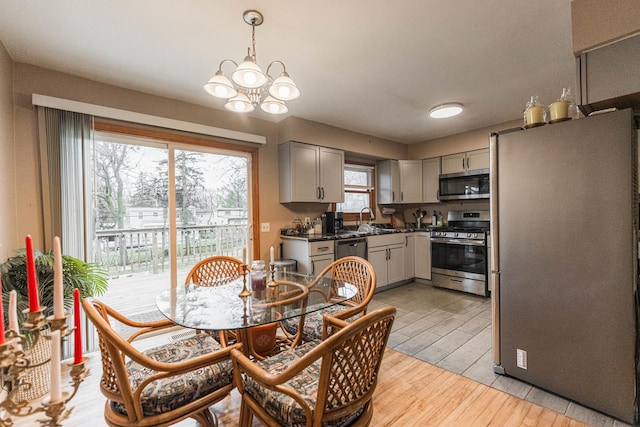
(353, 216)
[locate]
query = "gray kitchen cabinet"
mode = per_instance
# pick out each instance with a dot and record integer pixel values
(399, 181)
(409, 256)
(387, 256)
(388, 182)
(311, 257)
(467, 161)
(609, 76)
(309, 173)
(430, 177)
(422, 252)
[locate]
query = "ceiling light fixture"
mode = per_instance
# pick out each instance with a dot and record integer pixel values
(443, 111)
(251, 84)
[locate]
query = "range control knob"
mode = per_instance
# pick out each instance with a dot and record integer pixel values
(455, 235)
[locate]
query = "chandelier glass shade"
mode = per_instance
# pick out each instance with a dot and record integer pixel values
(249, 86)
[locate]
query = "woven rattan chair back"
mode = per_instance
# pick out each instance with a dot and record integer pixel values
(349, 372)
(215, 270)
(350, 363)
(358, 272)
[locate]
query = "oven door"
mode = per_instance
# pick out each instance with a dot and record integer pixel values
(459, 257)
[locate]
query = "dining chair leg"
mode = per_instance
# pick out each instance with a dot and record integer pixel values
(206, 418)
(246, 416)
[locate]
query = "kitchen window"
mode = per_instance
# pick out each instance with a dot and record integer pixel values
(359, 191)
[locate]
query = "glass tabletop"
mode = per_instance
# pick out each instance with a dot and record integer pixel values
(222, 308)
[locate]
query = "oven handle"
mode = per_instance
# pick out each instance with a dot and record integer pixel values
(458, 241)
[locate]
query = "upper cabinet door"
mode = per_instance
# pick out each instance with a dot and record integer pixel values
(478, 159)
(430, 180)
(388, 182)
(331, 175)
(454, 163)
(410, 181)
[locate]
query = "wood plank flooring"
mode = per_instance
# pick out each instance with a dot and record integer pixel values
(410, 392)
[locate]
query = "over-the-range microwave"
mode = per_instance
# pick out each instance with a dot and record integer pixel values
(464, 185)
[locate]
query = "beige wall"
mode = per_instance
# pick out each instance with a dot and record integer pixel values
(28, 79)
(297, 129)
(467, 141)
(597, 22)
(8, 235)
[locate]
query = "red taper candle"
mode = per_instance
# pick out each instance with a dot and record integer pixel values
(32, 281)
(77, 337)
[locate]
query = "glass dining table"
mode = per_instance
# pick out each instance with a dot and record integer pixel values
(225, 307)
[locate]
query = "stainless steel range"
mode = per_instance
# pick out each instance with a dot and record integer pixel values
(459, 255)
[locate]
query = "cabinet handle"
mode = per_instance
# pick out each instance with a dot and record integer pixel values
(401, 196)
(323, 248)
(313, 267)
(322, 192)
(393, 196)
(388, 254)
(463, 163)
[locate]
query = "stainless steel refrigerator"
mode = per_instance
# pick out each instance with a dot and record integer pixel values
(564, 221)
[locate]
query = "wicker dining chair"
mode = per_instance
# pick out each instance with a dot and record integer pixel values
(354, 270)
(162, 385)
(328, 383)
(215, 270)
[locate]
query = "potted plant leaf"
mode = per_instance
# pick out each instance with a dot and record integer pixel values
(89, 278)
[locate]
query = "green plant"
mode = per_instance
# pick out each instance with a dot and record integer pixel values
(89, 278)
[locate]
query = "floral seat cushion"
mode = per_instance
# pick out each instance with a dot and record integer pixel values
(169, 393)
(283, 407)
(312, 321)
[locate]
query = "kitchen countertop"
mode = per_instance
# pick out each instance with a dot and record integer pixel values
(349, 234)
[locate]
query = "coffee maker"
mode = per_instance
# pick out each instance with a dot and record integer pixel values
(332, 222)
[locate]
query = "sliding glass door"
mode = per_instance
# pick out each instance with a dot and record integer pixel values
(157, 208)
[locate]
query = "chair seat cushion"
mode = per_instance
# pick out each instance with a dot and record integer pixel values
(312, 321)
(283, 407)
(170, 393)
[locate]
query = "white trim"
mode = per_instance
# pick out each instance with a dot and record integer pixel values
(131, 116)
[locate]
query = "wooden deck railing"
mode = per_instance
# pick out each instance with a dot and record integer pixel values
(147, 249)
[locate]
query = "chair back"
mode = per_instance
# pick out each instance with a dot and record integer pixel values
(215, 270)
(350, 367)
(358, 272)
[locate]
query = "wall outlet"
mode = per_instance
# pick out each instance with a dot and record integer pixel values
(521, 358)
(265, 227)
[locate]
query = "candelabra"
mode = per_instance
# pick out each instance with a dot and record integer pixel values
(15, 363)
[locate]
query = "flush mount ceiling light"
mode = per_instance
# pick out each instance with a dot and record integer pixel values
(443, 111)
(250, 84)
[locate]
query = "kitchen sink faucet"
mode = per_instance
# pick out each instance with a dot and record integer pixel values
(370, 214)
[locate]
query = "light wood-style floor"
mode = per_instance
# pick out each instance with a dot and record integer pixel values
(410, 392)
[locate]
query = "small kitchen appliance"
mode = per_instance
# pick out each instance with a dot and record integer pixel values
(332, 222)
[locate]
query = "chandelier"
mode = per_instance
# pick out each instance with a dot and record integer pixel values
(251, 83)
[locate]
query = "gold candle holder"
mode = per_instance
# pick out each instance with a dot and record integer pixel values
(15, 363)
(273, 290)
(244, 292)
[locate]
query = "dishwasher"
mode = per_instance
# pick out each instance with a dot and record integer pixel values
(353, 246)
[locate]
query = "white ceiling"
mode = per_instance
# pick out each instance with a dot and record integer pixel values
(370, 66)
